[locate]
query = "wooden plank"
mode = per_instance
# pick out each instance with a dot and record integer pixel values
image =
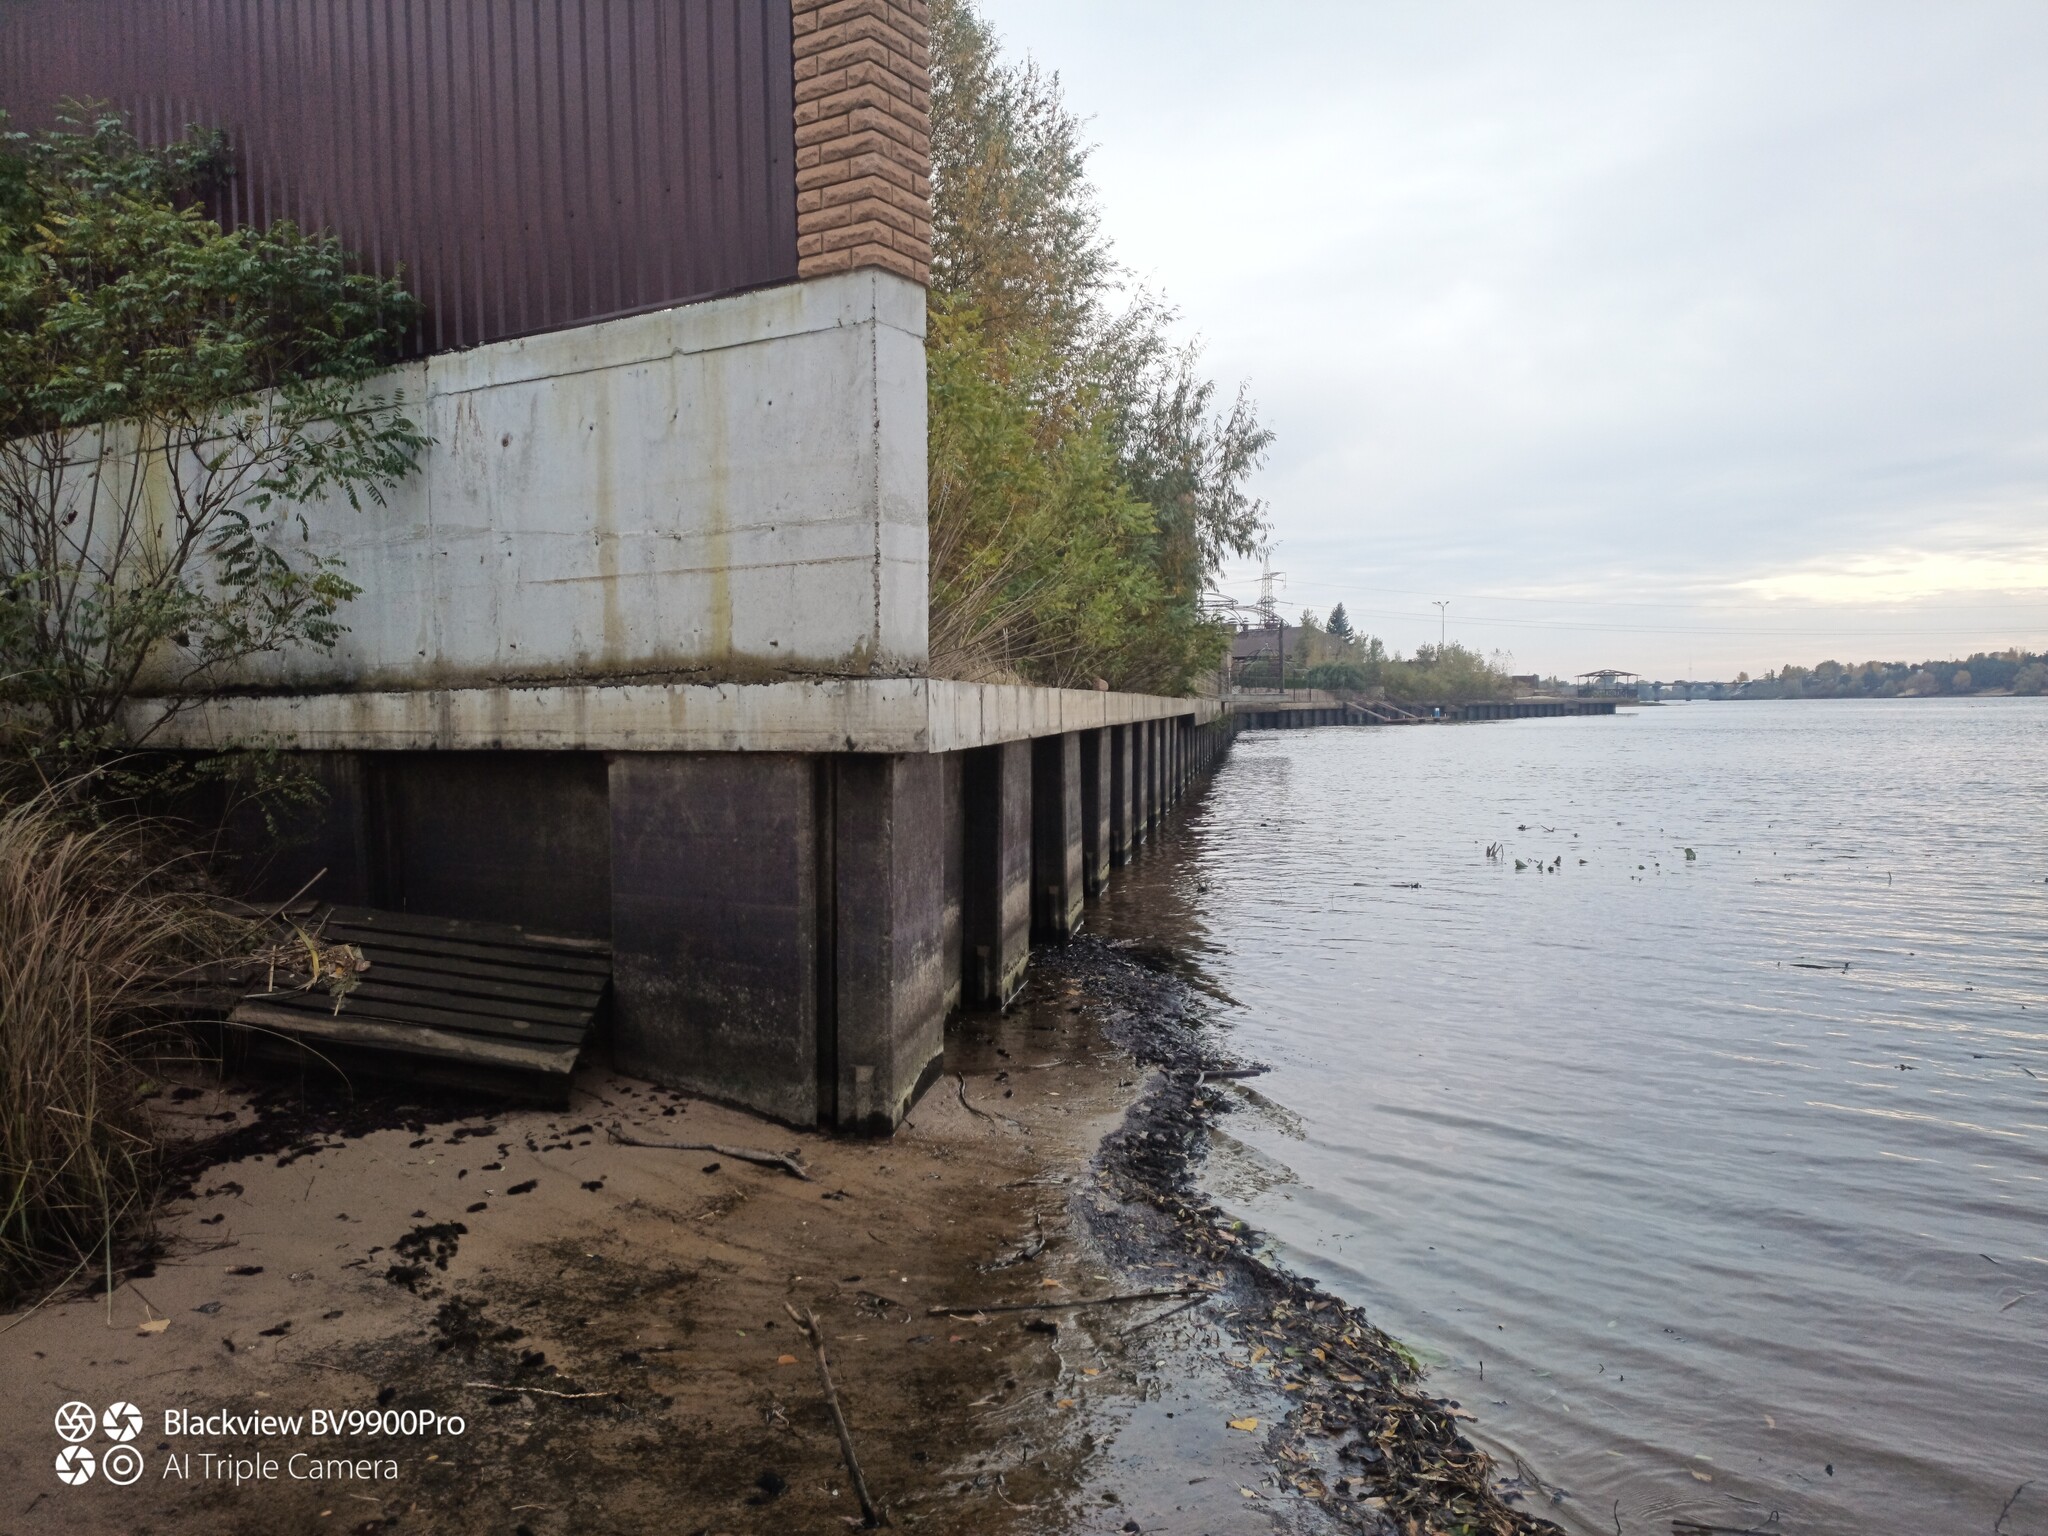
(418, 1012)
(498, 954)
(412, 1040)
(465, 928)
(580, 999)
(372, 988)
(382, 954)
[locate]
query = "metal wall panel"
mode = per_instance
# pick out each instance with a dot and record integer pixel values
(523, 164)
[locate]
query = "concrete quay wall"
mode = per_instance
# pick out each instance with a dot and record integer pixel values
(791, 930)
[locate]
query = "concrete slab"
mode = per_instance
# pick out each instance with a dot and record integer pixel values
(995, 876)
(715, 864)
(888, 1012)
(884, 714)
(1058, 879)
(1095, 797)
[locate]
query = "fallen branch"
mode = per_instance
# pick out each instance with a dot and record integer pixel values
(1163, 1316)
(493, 1386)
(808, 1321)
(1035, 1247)
(788, 1165)
(1061, 1306)
(1221, 1074)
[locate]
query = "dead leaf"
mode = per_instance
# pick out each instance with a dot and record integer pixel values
(1700, 1475)
(1049, 1283)
(1066, 1402)
(785, 1359)
(1247, 1425)
(155, 1325)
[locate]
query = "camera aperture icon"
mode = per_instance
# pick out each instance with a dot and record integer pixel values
(76, 1422)
(122, 1421)
(74, 1465)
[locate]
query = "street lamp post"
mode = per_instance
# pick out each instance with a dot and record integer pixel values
(1443, 622)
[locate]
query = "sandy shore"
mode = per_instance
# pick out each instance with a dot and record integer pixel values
(513, 1323)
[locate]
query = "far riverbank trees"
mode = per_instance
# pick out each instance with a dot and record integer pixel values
(1332, 655)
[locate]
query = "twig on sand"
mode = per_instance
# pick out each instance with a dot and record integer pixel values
(808, 1321)
(1029, 1251)
(1998, 1528)
(496, 1386)
(1194, 1301)
(788, 1165)
(970, 1308)
(960, 1082)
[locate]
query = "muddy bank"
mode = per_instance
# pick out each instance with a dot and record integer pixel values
(516, 1323)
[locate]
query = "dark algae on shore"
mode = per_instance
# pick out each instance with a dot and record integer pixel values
(1364, 1441)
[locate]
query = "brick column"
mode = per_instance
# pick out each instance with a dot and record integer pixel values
(863, 136)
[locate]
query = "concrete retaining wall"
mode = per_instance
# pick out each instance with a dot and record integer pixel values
(726, 490)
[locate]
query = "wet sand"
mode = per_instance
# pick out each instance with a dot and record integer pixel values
(609, 1323)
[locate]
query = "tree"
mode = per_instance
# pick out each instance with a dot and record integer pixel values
(1340, 623)
(1086, 478)
(169, 394)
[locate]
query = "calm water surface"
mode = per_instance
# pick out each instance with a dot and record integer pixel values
(1716, 1187)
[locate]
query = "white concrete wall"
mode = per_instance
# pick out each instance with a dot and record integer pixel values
(732, 490)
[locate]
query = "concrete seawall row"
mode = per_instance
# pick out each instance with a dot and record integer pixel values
(790, 930)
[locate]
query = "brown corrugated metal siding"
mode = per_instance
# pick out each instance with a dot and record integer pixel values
(530, 164)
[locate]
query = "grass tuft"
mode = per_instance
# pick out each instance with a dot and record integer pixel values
(102, 935)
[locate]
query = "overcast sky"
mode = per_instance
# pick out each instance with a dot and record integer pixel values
(1686, 338)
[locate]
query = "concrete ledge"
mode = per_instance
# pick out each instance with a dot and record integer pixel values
(894, 715)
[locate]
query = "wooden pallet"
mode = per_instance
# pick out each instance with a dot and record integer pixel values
(444, 1000)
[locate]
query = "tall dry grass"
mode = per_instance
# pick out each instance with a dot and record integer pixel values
(101, 931)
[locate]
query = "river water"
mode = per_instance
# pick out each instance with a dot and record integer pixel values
(1716, 1187)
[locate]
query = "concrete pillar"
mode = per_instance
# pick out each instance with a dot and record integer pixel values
(887, 1015)
(1155, 762)
(1095, 796)
(954, 812)
(715, 862)
(1142, 802)
(1058, 853)
(995, 873)
(1121, 806)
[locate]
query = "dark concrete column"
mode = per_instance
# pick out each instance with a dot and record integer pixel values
(955, 813)
(1155, 761)
(1095, 796)
(1058, 853)
(1120, 804)
(1142, 802)
(995, 873)
(715, 959)
(887, 1018)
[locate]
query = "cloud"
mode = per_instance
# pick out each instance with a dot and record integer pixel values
(1623, 305)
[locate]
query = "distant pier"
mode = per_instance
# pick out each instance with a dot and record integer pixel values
(1255, 714)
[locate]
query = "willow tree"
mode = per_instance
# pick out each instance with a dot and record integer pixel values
(1086, 484)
